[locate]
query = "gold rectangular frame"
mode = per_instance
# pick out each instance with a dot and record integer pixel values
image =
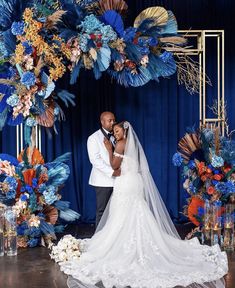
(199, 50)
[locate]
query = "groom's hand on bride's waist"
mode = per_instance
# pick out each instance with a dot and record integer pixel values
(117, 172)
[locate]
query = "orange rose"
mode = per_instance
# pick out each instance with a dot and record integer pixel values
(208, 170)
(203, 178)
(210, 190)
(217, 177)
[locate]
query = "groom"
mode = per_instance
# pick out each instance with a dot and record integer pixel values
(102, 175)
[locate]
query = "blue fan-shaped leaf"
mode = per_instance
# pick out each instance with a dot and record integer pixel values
(67, 33)
(171, 27)
(58, 173)
(9, 41)
(14, 121)
(133, 53)
(96, 71)
(47, 228)
(61, 205)
(75, 73)
(69, 215)
(103, 58)
(66, 157)
(157, 67)
(115, 55)
(145, 25)
(112, 18)
(141, 78)
(3, 118)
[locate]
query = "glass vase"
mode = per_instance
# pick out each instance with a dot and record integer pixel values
(206, 230)
(10, 232)
(228, 234)
(216, 225)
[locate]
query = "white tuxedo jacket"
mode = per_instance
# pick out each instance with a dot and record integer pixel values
(101, 173)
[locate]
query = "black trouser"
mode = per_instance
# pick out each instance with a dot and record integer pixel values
(102, 198)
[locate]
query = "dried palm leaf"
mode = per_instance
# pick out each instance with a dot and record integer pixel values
(188, 144)
(177, 40)
(158, 14)
(47, 118)
(39, 66)
(51, 214)
(53, 19)
(118, 5)
(8, 82)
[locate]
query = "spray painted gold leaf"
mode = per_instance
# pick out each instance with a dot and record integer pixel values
(158, 14)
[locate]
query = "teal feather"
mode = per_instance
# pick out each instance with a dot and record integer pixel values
(75, 73)
(58, 173)
(96, 71)
(66, 157)
(171, 27)
(69, 215)
(3, 118)
(47, 228)
(66, 97)
(61, 205)
(27, 134)
(103, 58)
(59, 228)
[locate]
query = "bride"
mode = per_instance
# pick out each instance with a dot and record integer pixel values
(136, 244)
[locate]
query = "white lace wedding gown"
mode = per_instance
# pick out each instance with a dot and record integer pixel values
(136, 243)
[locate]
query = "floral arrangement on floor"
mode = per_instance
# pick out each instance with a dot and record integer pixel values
(32, 188)
(40, 40)
(208, 163)
(68, 248)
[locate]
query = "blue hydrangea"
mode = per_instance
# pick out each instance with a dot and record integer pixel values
(192, 188)
(22, 229)
(13, 100)
(11, 194)
(166, 56)
(83, 42)
(217, 161)
(230, 186)
(28, 78)
(144, 50)
(12, 183)
(177, 159)
(3, 50)
(221, 187)
(129, 34)
(17, 28)
(208, 134)
(50, 195)
(217, 203)
(31, 122)
(90, 24)
(27, 48)
(108, 34)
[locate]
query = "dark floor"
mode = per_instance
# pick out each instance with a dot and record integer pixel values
(33, 268)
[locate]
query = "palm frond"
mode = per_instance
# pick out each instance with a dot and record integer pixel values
(53, 19)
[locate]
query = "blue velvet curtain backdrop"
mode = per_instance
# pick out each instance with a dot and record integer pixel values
(159, 112)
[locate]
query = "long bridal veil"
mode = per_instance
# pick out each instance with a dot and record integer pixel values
(139, 164)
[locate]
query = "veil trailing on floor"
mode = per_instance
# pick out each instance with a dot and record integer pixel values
(138, 164)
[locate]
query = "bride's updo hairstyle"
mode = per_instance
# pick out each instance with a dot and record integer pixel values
(124, 125)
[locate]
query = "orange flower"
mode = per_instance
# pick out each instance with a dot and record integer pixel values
(193, 209)
(210, 190)
(201, 167)
(203, 178)
(208, 170)
(217, 177)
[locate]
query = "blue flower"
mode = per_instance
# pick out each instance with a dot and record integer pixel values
(23, 197)
(13, 100)
(230, 186)
(22, 189)
(129, 34)
(31, 122)
(17, 28)
(11, 194)
(34, 232)
(192, 188)
(221, 187)
(33, 242)
(177, 159)
(108, 34)
(28, 78)
(34, 182)
(153, 41)
(12, 183)
(200, 211)
(191, 164)
(83, 43)
(144, 50)
(29, 189)
(217, 161)
(27, 47)
(166, 56)
(214, 182)
(50, 195)
(22, 229)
